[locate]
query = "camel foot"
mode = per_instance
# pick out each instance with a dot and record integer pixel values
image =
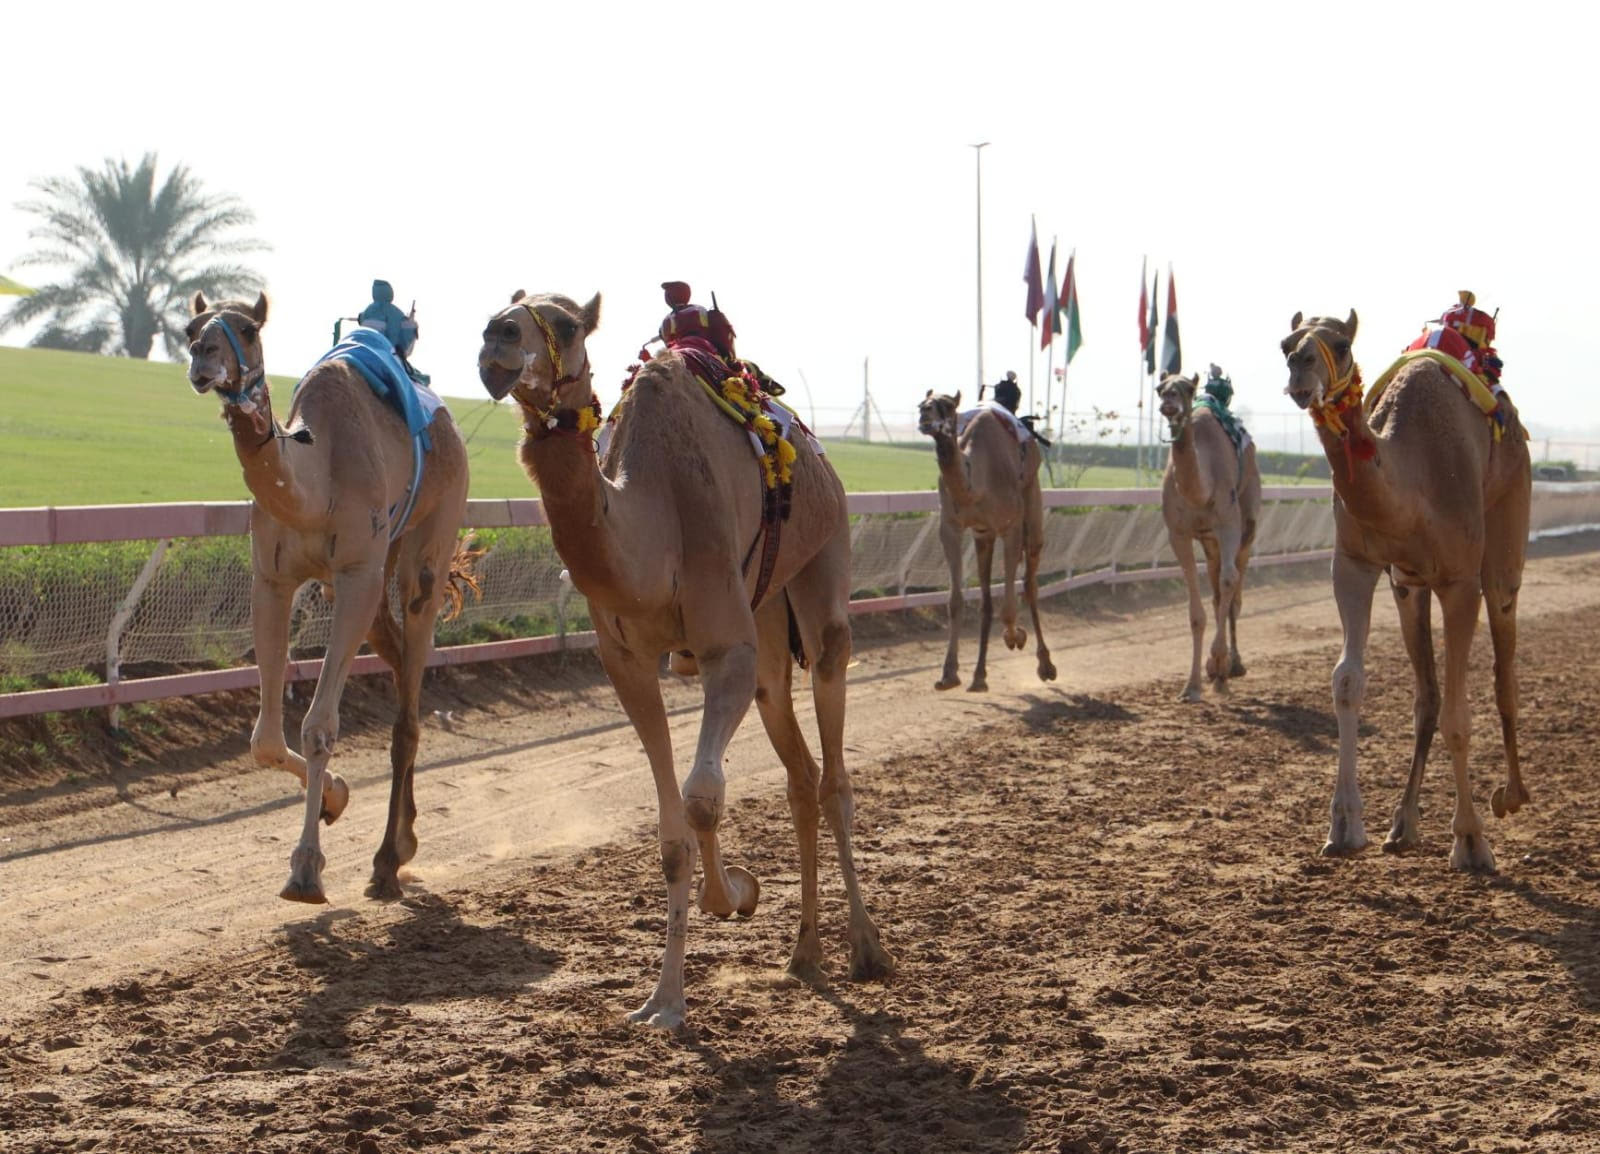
(1403, 836)
(335, 796)
(305, 877)
(806, 965)
(1047, 669)
(948, 681)
(384, 887)
(1016, 637)
(1471, 853)
(1236, 667)
(979, 685)
(1346, 835)
(662, 1015)
(743, 890)
(1506, 800)
(1191, 693)
(869, 961)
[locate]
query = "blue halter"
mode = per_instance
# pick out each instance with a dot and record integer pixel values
(249, 382)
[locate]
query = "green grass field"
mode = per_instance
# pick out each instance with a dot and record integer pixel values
(87, 430)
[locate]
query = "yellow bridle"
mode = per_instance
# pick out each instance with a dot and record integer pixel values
(545, 421)
(1344, 391)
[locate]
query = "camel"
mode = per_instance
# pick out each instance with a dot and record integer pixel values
(990, 484)
(655, 535)
(1211, 493)
(1423, 490)
(327, 491)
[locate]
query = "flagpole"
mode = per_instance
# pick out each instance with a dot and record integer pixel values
(977, 152)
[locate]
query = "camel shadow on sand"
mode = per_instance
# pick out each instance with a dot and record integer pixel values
(1051, 714)
(878, 1090)
(1576, 943)
(431, 956)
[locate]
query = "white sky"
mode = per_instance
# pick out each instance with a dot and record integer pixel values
(811, 164)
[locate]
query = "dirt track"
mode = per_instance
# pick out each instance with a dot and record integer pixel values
(1113, 929)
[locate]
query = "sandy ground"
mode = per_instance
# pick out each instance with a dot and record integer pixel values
(1113, 929)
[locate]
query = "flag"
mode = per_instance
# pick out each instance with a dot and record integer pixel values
(1069, 305)
(1152, 324)
(1052, 304)
(1035, 279)
(1144, 308)
(1171, 350)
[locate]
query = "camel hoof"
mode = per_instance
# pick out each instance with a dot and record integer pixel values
(1047, 670)
(869, 961)
(1471, 853)
(1237, 668)
(1398, 844)
(305, 877)
(979, 685)
(663, 1018)
(743, 888)
(335, 796)
(1191, 693)
(1505, 800)
(948, 682)
(384, 888)
(1016, 638)
(806, 969)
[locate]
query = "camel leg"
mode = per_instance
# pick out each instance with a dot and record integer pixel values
(983, 544)
(1235, 662)
(639, 691)
(728, 676)
(1458, 604)
(1033, 547)
(1016, 637)
(1504, 546)
(775, 703)
(820, 594)
(1415, 606)
(424, 577)
(1353, 583)
(357, 594)
(1183, 546)
(1220, 553)
(271, 603)
(950, 541)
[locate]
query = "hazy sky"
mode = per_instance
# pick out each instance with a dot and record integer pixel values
(811, 164)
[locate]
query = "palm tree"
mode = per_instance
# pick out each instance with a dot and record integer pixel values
(134, 253)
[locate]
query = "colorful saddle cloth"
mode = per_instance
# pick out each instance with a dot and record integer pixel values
(1471, 383)
(1010, 420)
(1237, 433)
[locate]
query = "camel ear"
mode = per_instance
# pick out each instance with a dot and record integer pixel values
(198, 304)
(260, 309)
(928, 394)
(517, 296)
(1294, 324)
(1194, 382)
(591, 315)
(958, 398)
(1350, 323)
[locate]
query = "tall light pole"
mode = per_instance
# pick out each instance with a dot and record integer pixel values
(977, 152)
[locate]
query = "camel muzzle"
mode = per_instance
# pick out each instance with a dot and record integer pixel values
(498, 380)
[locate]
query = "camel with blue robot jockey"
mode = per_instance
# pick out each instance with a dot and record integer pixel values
(356, 495)
(728, 539)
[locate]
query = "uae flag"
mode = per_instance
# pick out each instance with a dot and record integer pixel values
(1052, 303)
(1069, 305)
(1152, 324)
(1171, 349)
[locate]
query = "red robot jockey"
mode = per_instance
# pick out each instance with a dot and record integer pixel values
(1467, 334)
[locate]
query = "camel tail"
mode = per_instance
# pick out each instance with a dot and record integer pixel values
(462, 577)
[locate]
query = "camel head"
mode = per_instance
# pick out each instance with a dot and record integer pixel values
(1177, 392)
(1319, 355)
(534, 349)
(225, 348)
(936, 414)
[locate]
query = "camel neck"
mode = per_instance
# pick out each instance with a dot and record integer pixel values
(952, 467)
(264, 457)
(1358, 475)
(1193, 483)
(584, 509)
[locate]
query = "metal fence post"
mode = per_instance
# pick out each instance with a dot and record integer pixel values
(124, 613)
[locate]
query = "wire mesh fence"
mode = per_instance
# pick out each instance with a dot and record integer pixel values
(184, 601)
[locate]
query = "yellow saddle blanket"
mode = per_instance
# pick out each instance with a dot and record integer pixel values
(1471, 384)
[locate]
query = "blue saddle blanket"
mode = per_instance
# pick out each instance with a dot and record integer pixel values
(370, 352)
